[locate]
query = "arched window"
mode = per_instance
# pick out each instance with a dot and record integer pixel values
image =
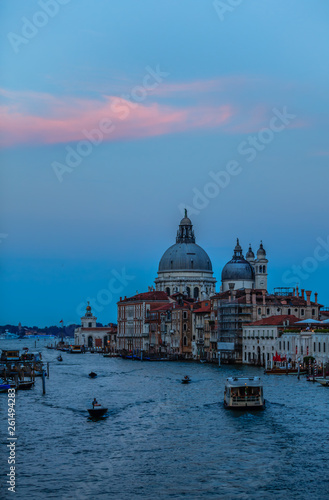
(192, 263)
(184, 327)
(196, 292)
(289, 311)
(168, 290)
(264, 269)
(184, 341)
(90, 341)
(171, 264)
(259, 311)
(188, 291)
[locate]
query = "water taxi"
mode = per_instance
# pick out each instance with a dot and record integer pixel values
(242, 393)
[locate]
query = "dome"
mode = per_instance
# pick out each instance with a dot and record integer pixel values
(238, 269)
(250, 254)
(185, 222)
(185, 256)
(261, 252)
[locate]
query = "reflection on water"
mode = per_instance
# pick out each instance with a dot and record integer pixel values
(162, 439)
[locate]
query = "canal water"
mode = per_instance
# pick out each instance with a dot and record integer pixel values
(162, 439)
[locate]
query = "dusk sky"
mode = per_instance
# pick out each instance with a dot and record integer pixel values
(117, 115)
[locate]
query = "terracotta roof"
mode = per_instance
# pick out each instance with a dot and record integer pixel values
(141, 297)
(275, 320)
(202, 309)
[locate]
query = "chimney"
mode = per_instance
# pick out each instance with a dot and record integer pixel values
(308, 297)
(297, 291)
(316, 297)
(294, 292)
(120, 299)
(264, 293)
(302, 293)
(248, 298)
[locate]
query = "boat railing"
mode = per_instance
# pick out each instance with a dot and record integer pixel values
(238, 399)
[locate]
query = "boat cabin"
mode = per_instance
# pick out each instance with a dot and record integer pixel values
(242, 393)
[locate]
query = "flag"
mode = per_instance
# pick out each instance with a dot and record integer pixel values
(61, 321)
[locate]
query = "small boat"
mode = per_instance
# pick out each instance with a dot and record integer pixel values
(76, 349)
(203, 361)
(186, 380)
(92, 375)
(323, 381)
(59, 358)
(242, 393)
(97, 410)
(4, 387)
(284, 371)
(25, 385)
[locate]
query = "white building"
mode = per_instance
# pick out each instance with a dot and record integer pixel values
(90, 335)
(297, 345)
(261, 339)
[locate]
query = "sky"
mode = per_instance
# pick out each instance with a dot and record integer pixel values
(115, 116)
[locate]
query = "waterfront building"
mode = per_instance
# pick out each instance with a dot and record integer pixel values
(235, 308)
(298, 344)
(260, 339)
(134, 332)
(92, 336)
(185, 267)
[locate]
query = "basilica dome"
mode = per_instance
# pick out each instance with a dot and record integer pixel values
(185, 256)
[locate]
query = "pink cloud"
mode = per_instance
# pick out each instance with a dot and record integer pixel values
(67, 119)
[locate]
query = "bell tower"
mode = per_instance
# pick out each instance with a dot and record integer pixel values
(260, 267)
(88, 320)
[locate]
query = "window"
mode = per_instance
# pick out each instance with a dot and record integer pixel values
(192, 264)
(302, 312)
(280, 346)
(245, 356)
(89, 325)
(288, 346)
(193, 337)
(185, 341)
(171, 264)
(259, 311)
(289, 311)
(319, 347)
(268, 310)
(314, 347)
(168, 291)
(284, 345)
(184, 314)
(301, 350)
(184, 327)
(324, 347)
(313, 312)
(196, 292)
(188, 291)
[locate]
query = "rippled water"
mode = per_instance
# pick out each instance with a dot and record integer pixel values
(163, 439)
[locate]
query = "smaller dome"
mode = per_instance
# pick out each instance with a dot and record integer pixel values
(250, 254)
(261, 252)
(238, 269)
(185, 222)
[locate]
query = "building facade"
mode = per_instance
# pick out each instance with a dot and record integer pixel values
(92, 336)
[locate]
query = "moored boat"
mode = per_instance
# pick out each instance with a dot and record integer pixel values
(186, 380)
(92, 375)
(284, 371)
(242, 393)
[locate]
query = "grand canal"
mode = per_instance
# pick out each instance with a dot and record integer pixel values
(163, 439)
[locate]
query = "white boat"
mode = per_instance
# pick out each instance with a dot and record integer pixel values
(243, 393)
(8, 336)
(323, 381)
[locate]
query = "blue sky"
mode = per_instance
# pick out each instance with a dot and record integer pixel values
(115, 115)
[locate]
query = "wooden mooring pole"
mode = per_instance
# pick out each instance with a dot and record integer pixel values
(43, 382)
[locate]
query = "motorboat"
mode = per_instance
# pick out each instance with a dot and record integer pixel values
(59, 358)
(323, 381)
(76, 349)
(24, 385)
(92, 375)
(244, 393)
(186, 380)
(97, 410)
(4, 387)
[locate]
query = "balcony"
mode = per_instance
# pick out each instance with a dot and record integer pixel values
(200, 341)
